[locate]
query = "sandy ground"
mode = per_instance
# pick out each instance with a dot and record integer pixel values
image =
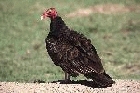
(121, 86)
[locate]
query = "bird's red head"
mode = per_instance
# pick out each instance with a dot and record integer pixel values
(51, 13)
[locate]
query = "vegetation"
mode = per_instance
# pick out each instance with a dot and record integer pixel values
(23, 55)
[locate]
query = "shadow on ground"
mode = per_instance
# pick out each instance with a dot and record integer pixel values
(82, 82)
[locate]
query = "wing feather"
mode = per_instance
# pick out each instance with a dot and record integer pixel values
(74, 53)
(84, 51)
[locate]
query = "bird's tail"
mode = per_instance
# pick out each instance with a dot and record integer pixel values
(102, 80)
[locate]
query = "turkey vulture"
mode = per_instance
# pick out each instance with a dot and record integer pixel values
(73, 52)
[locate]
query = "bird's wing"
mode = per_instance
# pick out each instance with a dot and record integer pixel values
(61, 53)
(84, 50)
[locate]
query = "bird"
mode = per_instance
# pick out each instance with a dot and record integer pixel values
(73, 52)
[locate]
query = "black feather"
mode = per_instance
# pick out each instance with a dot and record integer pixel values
(74, 53)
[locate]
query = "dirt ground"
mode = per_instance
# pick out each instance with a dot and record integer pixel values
(121, 86)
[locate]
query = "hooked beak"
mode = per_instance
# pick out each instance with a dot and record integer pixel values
(44, 15)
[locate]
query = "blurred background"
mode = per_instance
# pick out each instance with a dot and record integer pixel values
(112, 25)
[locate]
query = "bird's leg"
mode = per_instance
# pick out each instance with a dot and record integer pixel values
(67, 77)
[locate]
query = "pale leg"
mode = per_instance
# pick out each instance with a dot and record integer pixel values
(67, 77)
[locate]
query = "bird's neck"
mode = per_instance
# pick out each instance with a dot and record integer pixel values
(56, 24)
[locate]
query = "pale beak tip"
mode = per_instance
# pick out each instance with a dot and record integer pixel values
(41, 17)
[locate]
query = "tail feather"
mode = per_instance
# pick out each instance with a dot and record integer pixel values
(102, 80)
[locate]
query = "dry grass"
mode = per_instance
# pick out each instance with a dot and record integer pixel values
(105, 9)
